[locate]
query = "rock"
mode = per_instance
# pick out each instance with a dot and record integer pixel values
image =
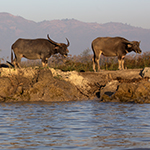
(81, 83)
(142, 90)
(19, 90)
(5, 88)
(44, 74)
(133, 92)
(53, 90)
(49, 88)
(38, 84)
(48, 84)
(105, 98)
(145, 72)
(109, 89)
(125, 92)
(24, 72)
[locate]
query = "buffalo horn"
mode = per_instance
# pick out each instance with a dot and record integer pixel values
(128, 42)
(67, 42)
(52, 40)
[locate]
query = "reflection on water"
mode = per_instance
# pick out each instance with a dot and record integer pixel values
(74, 125)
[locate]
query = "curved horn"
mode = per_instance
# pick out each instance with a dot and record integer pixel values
(52, 40)
(128, 42)
(67, 42)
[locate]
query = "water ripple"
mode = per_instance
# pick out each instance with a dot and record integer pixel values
(89, 125)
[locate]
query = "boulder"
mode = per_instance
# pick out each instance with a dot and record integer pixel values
(109, 89)
(5, 88)
(125, 92)
(145, 72)
(44, 74)
(48, 88)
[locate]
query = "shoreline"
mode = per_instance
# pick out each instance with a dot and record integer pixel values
(50, 85)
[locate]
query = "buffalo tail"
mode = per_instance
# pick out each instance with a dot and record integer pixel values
(11, 55)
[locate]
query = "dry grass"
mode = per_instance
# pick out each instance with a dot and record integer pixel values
(83, 62)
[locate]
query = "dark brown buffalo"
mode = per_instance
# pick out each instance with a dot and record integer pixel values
(113, 46)
(37, 49)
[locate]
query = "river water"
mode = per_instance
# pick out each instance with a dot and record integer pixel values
(77, 125)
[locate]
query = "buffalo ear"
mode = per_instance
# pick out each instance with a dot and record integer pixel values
(56, 47)
(129, 45)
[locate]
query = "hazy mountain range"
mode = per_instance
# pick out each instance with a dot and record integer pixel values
(80, 34)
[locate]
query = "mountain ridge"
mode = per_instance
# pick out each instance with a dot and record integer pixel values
(80, 34)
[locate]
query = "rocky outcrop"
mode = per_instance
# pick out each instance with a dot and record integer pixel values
(122, 86)
(145, 72)
(108, 90)
(48, 84)
(36, 85)
(135, 92)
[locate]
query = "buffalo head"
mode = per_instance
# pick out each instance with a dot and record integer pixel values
(60, 47)
(134, 46)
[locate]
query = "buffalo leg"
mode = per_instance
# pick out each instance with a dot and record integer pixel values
(96, 61)
(18, 64)
(119, 64)
(14, 62)
(44, 62)
(122, 63)
(98, 66)
(93, 59)
(17, 61)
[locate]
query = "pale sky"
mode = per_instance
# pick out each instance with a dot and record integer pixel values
(133, 12)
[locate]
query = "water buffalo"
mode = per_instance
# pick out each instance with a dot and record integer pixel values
(37, 49)
(113, 46)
